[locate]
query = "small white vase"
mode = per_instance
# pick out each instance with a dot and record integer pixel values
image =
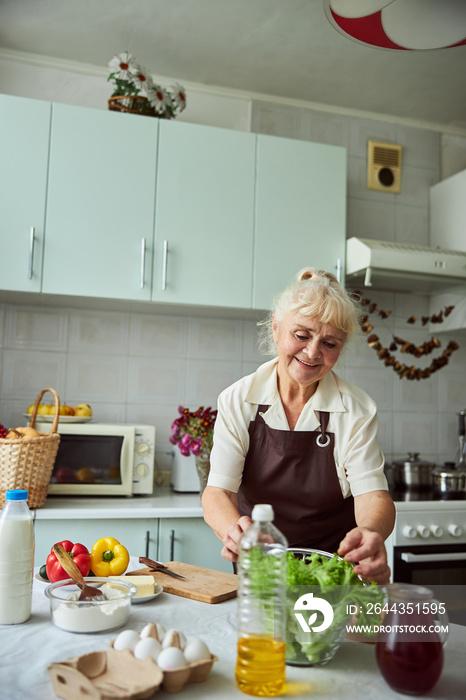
(184, 474)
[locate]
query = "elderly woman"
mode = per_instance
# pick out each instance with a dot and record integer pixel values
(296, 435)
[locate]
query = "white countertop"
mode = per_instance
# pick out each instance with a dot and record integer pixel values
(27, 649)
(163, 504)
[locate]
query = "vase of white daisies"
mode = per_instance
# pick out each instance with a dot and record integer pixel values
(135, 91)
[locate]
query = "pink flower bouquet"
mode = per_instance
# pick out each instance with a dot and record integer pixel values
(193, 432)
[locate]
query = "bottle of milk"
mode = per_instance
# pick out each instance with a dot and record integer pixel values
(16, 558)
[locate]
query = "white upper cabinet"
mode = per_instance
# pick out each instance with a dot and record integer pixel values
(204, 216)
(300, 218)
(100, 208)
(122, 206)
(447, 201)
(24, 148)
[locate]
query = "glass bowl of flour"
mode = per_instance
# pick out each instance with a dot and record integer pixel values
(90, 616)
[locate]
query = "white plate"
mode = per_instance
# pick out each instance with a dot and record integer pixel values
(147, 598)
(142, 599)
(62, 419)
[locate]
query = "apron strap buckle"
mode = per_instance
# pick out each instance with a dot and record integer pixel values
(323, 440)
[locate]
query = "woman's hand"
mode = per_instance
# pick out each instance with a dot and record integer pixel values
(375, 516)
(366, 547)
(233, 536)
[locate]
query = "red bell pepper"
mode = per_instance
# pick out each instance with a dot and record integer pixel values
(79, 554)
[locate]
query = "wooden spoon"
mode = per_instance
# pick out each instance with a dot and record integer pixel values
(87, 592)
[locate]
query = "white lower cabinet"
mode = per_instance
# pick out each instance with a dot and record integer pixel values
(138, 535)
(191, 541)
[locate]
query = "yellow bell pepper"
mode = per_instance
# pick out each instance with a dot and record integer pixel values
(109, 557)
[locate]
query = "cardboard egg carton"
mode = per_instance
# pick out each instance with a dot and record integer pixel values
(194, 672)
(174, 680)
(104, 675)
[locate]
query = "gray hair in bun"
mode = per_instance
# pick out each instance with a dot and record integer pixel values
(314, 294)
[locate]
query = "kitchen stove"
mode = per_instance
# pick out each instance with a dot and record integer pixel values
(428, 545)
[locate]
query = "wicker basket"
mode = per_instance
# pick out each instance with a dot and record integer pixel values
(132, 104)
(27, 463)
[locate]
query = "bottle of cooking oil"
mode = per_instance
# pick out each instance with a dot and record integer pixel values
(260, 665)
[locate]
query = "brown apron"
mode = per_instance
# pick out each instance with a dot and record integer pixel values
(295, 471)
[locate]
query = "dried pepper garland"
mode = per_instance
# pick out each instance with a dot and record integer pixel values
(435, 318)
(418, 351)
(403, 370)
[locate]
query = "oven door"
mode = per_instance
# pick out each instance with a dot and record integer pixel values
(441, 568)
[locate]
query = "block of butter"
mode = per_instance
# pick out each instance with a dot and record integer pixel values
(144, 584)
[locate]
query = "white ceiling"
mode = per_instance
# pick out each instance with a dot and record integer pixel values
(283, 48)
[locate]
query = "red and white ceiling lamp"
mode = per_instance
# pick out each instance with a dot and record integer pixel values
(402, 25)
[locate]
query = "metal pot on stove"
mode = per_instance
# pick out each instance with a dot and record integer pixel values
(412, 472)
(449, 480)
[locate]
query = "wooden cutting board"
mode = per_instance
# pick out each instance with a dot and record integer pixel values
(206, 585)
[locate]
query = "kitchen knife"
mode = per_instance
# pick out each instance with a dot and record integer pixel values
(157, 566)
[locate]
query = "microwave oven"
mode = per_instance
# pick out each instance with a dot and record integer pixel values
(99, 459)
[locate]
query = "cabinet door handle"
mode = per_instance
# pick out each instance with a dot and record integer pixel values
(368, 277)
(143, 262)
(172, 545)
(31, 251)
(339, 269)
(147, 543)
(164, 265)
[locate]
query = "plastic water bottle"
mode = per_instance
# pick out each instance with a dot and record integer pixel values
(16, 558)
(260, 665)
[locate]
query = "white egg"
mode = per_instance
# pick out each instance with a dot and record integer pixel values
(170, 637)
(148, 647)
(196, 649)
(126, 640)
(171, 658)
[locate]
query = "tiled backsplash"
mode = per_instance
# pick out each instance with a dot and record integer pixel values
(130, 367)
(138, 367)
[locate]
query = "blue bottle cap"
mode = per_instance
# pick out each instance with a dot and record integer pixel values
(16, 495)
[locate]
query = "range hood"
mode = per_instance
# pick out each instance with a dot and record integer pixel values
(403, 267)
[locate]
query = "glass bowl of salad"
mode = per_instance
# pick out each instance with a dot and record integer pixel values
(323, 593)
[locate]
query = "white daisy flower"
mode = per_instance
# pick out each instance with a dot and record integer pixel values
(124, 66)
(158, 98)
(178, 95)
(130, 79)
(141, 78)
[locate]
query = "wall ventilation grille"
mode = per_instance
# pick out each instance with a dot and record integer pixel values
(384, 167)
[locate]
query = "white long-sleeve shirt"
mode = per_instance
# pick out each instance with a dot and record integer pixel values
(353, 420)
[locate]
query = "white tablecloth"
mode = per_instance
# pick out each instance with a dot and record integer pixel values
(27, 649)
